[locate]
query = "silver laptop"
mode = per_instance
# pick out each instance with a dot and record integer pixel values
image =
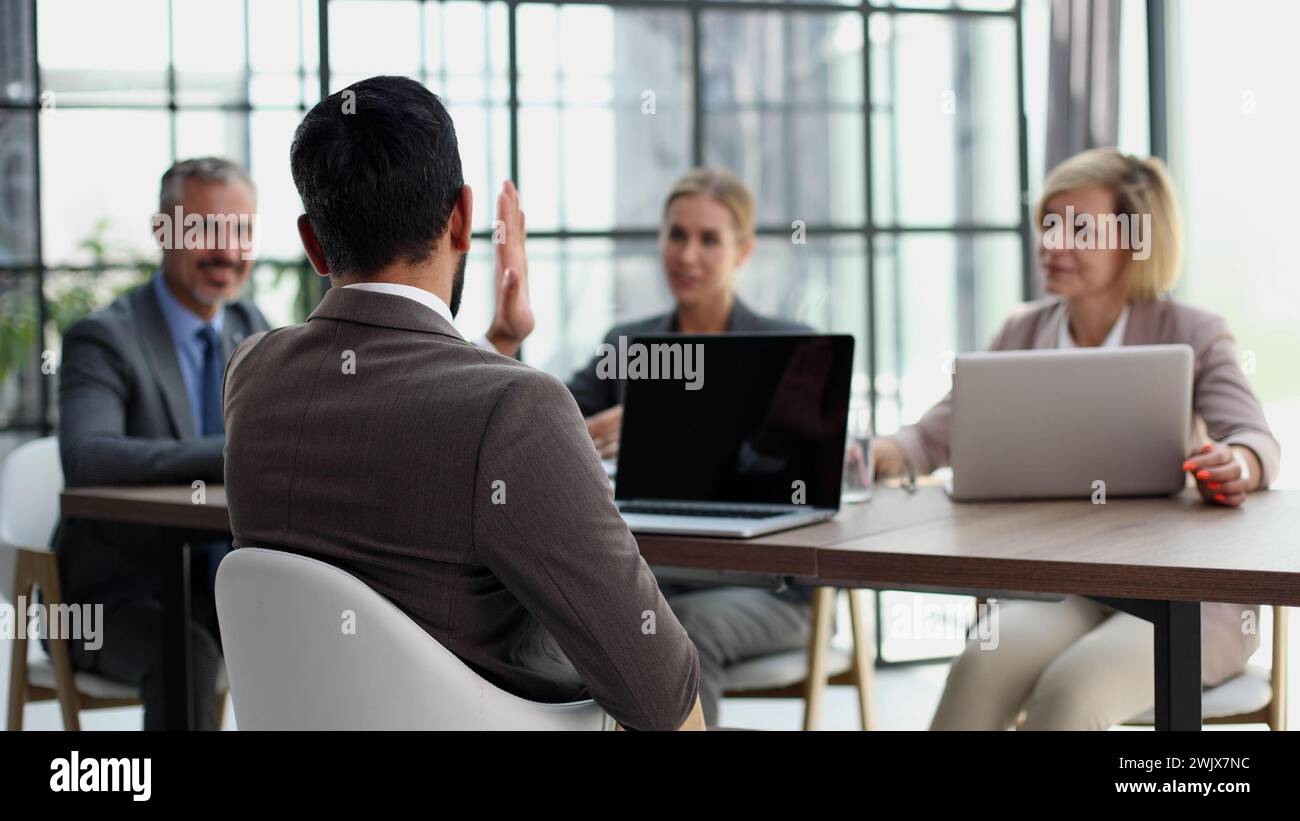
(755, 447)
(1055, 423)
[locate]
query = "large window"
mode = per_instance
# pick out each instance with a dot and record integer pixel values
(884, 143)
(1232, 145)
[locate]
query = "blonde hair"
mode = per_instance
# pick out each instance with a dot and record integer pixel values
(1141, 186)
(724, 187)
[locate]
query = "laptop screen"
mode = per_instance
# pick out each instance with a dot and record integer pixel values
(752, 418)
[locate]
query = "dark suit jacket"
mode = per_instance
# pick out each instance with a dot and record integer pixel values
(124, 418)
(462, 486)
(594, 394)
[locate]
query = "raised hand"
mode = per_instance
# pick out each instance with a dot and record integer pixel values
(513, 320)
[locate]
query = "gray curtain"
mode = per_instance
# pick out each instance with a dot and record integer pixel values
(1083, 77)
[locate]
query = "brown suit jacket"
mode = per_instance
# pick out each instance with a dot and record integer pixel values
(461, 485)
(1222, 400)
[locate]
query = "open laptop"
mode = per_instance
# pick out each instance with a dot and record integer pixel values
(1054, 423)
(755, 447)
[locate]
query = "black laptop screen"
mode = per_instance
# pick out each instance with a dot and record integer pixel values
(744, 418)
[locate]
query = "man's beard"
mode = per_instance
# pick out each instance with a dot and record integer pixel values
(196, 292)
(458, 285)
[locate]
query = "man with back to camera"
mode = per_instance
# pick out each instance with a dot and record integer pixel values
(458, 483)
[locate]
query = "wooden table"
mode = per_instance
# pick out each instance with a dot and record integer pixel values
(1155, 558)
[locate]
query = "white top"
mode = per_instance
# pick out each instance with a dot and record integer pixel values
(427, 298)
(1114, 339)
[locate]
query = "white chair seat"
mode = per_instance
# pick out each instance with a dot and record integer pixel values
(292, 665)
(41, 674)
(1246, 693)
(780, 670)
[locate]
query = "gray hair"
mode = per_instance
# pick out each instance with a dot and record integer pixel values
(209, 169)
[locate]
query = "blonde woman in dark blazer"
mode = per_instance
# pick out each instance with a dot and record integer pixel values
(1078, 664)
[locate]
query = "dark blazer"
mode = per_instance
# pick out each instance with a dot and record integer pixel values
(462, 486)
(594, 394)
(124, 418)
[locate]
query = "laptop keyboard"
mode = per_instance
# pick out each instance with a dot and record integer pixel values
(711, 511)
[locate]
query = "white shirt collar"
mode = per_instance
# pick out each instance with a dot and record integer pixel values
(425, 298)
(1114, 339)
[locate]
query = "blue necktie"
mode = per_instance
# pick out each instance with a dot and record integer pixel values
(210, 383)
(207, 555)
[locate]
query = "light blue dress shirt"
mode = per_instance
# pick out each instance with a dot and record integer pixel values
(185, 327)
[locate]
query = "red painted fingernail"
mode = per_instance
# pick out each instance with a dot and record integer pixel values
(1219, 497)
(1213, 485)
(1206, 448)
(1202, 474)
(1189, 465)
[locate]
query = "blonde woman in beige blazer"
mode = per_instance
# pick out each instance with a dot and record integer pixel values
(1078, 664)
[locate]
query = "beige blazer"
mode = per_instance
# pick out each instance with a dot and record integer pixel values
(463, 487)
(1227, 411)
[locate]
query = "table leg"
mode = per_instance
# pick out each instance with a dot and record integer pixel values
(1177, 626)
(178, 712)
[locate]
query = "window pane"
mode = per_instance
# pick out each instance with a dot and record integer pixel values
(273, 41)
(917, 626)
(579, 105)
(82, 65)
(945, 120)
(16, 81)
(278, 205)
(783, 109)
(585, 287)
(208, 51)
(20, 355)
(483, 134)
(104, 214)
(478, 298)
(209, 133)
(1233, 145)
(821, 283)
(17, 188)
(369, 37)
(284, 52)
(936, 294)
(973, 5)
(284, 292)
(829, 2)
(1134, 89)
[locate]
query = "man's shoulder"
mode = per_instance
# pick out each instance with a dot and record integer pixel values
(246, 314)
(503, 386)
(119, 317)
(479, 374)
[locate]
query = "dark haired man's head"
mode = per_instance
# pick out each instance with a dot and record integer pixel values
(378, 170)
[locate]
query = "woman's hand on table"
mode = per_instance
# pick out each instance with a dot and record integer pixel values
(1224, 474)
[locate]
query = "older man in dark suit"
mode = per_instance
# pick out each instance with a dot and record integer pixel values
(140, 402)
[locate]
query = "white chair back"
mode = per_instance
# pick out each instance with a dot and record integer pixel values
(30, 484)
(309, 646)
